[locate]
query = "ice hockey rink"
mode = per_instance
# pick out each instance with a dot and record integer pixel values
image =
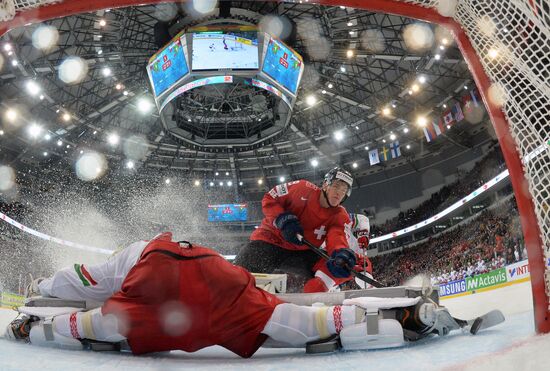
(512, 345)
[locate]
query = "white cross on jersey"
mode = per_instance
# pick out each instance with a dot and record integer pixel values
(320, 232)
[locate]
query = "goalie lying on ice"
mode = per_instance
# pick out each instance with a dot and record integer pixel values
(163, 295)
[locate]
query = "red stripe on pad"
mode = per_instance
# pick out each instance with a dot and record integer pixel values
(73, 325)
(337, 313)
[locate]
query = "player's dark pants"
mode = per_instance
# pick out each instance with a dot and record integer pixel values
(263, 257)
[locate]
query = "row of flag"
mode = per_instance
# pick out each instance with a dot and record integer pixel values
(452, 116)
(385, 153)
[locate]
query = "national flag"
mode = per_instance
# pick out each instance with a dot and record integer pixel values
(470, 100)
(475, 97)
(395, 150)
(457, 112)
(428, 135)
(448, 117)
(438, 126)
(373, 156)
(384, 154)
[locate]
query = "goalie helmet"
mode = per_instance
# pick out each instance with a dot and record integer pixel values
(341, 174)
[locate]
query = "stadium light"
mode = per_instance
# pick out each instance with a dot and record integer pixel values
(197, 182)
(260, 181)
(386, 111)
(354, 165)
(32, 87)
(282, 179)
(421, 121)
(392, 136)
(167, 181)
(144, 105)
(130, 164)
(106, 71)
(314, 162)
(66, 117)
(113, 139)
(338, 135)
(35, 130)
(229, 183)
(11, 114)
(311, 100)
(211, 184)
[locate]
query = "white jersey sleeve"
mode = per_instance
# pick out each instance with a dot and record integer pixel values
(93, 282)
(354, 245)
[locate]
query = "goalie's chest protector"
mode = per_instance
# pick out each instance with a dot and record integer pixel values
(189, 298)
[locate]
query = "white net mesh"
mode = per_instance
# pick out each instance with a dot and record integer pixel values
(26, 4)
(7, 10)
(511, 38)
(512, 42)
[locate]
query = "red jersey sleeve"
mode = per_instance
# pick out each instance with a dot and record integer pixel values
(279, 198)
(338, 231)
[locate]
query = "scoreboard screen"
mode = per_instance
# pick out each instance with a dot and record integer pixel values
(228, 213)
(168, 66)
(224, 49)
(283, 65)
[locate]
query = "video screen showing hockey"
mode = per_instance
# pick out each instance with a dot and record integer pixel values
(228, 213)
(214, 50)
(274, 185)
(167, 66)
(283, 65)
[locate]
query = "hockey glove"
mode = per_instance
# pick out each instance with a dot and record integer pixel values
(341, 263)
(289, 225)
(363, 238)
(363, 264)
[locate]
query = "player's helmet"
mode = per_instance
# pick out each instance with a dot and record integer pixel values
(343, 175)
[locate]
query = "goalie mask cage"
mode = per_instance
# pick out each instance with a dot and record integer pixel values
(520, 32)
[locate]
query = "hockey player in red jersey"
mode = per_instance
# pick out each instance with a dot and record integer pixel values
(302, 208)
(164, 295)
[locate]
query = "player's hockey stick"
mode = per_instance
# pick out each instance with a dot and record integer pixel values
(323, 254)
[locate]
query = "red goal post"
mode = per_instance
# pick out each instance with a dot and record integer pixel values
(523, 71)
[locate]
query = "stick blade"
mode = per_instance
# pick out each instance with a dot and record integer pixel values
(486, 321)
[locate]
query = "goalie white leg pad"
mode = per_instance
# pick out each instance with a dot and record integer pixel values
(44, 334)
(358, 337)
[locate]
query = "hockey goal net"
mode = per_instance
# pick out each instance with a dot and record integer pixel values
(506, 44)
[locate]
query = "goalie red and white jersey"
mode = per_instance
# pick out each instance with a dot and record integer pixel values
(190, 298)
(301, 198)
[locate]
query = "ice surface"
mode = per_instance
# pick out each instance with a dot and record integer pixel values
(509, 346)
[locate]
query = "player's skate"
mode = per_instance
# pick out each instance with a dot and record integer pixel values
(32, 288)
(20, 328)
(422, 319)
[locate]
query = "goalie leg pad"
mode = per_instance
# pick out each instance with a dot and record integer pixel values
(44, 334)
(356, 337)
